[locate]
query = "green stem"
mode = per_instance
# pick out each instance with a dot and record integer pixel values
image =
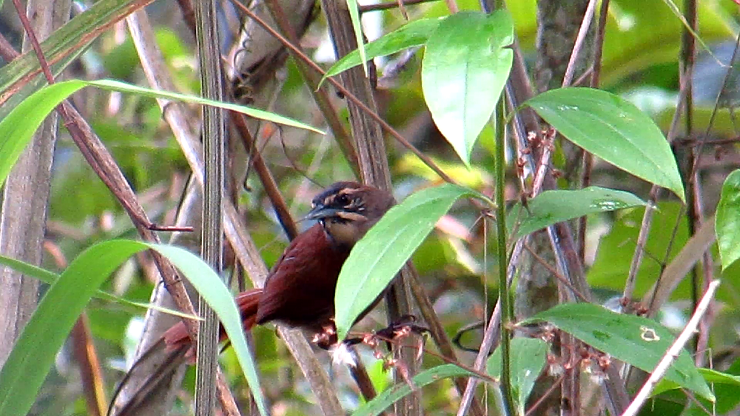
(503, 288)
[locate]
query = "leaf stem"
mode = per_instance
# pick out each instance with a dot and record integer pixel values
(503, 288)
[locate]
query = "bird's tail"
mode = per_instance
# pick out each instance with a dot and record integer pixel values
(156, 367)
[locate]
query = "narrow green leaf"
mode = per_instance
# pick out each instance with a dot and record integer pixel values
(354, 15)
(710, 376)
(528, 358)
(727, 220)
(465, 67)
(33, 355)
(218, 297)
(398, 391)
(551, 207)
(688, 27)
(50, 277)
(63, 45)
(376, 259)
(612, 129)
(638, 341)
(412, 34)
(17, 128)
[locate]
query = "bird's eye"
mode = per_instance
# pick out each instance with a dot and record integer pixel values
(342, 199)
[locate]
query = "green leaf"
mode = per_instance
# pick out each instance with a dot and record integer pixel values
(33, 355)
(50, 277)
(378, 256)
(612, 264)
(646, 34)
(396, 392)
(61, 47)
(409, 35)
(354, 15)
(465, 67)
(638, 341)
(18, 127)
(218, 297)
(710, 376)
(551, 207)
(612, 129)
(528, 357)
(727, 221)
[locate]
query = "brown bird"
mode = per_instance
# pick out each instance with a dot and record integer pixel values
(299, 291)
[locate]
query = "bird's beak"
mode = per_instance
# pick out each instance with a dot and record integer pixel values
(320, 212)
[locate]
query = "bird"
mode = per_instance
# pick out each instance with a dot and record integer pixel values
(299, 290)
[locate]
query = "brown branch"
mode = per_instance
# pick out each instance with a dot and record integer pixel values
(103, 164)
(320, 95)
(90, 369)
(83, 40)
(234, 228)
(351, 97)
(188, 14)
(7, 51)
(266, 178)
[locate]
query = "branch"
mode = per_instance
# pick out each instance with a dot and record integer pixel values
(673, 352)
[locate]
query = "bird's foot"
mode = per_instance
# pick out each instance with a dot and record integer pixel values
(401, 328)
(326, 338)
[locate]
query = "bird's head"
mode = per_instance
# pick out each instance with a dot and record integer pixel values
(347, 210)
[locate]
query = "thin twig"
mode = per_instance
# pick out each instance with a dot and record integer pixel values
(320, 95)
(545, 395)
(554, 272)
(365, 8)
(102, 163)
(681, 264)
(582, 32)
(234, 228)
(6, 49)
(647, 217)
(387, 127)
(588, 158)
(266, 178)
(74, 44)
(673, 352)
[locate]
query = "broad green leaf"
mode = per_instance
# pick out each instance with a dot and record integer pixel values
(33, 355)
(395, 393)
(528, 357)
(638, 341)
(18, 127)
(378, 256)
(551, 207)
(49, 277)
(465, 67)
(612, 129)
(727, 221)
(412, 34)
